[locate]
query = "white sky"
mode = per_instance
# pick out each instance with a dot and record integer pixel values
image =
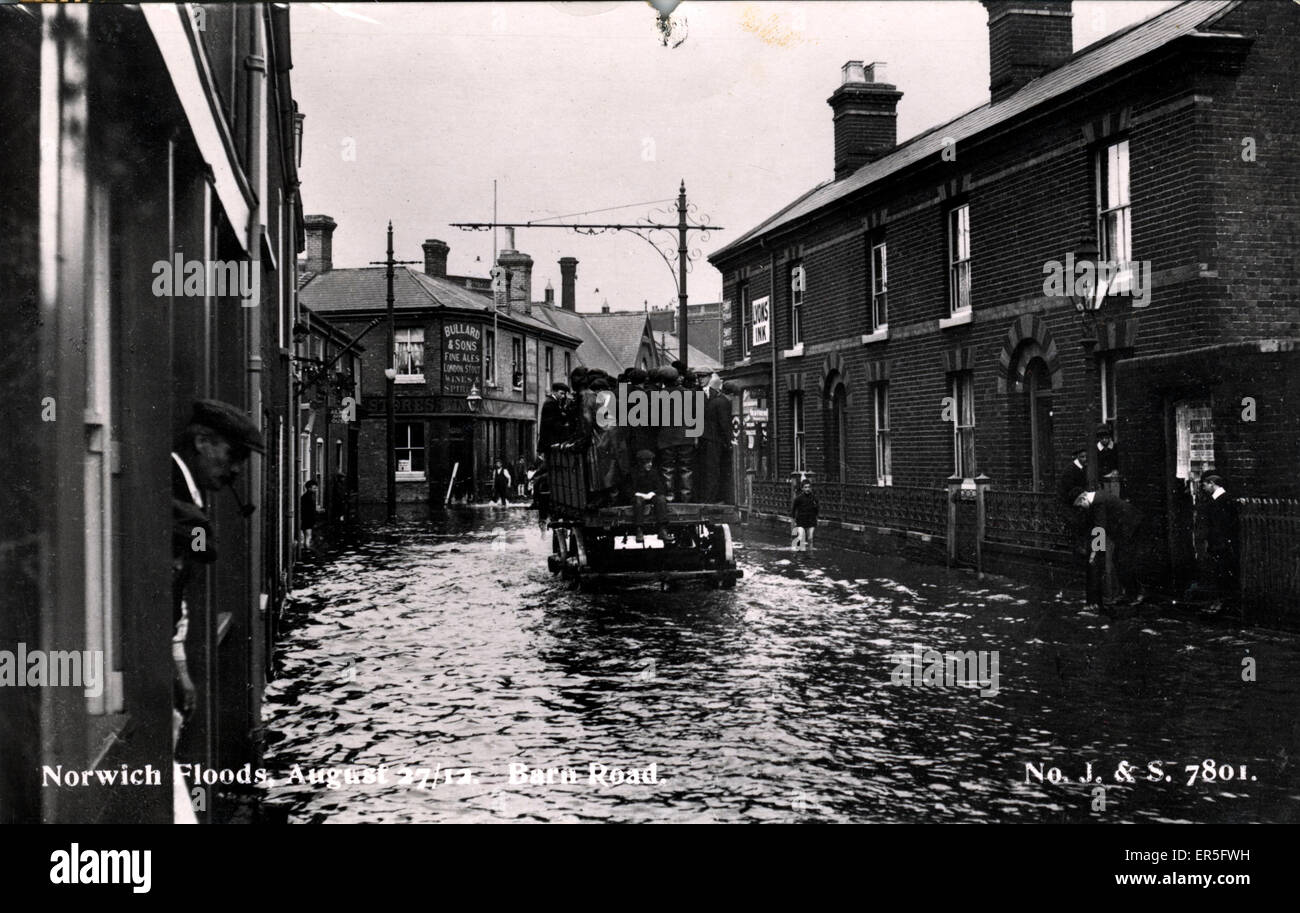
(577, 106)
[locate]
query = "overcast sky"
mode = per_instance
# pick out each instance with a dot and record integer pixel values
(412, 109)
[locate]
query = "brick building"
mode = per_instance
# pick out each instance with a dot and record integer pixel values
(894, 327)
(470, 377)
(704, 320)
(137, 135)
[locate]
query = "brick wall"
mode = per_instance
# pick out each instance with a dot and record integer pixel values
(1220, 235)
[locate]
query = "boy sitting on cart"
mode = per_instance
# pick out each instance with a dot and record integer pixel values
(648, 488)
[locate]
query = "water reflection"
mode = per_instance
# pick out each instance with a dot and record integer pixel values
(447, 646)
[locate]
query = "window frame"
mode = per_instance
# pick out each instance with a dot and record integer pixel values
(883, 439)
(1109, 396)
(959, 266)
(1120, 210)
(489, 358)
(550, 365)
(516, 363)
(836, 456)
(797, 431)
(402, 349)
(878, 290)
(413, 474)
(798, 283)
(963, 444)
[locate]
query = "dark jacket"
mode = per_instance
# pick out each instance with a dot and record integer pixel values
(717, 419)
(1221, 525)
(307, 510)
(651, 480)
(674, 435)
(805, 510)
(1107, 460)
(1072, 478)
(187, 517)
(556, 425)
(1117, 517)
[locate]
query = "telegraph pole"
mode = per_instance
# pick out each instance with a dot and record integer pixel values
(681, 226)
(390, 375)
(682, 324)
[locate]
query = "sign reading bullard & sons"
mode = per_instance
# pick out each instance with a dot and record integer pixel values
(462, 357)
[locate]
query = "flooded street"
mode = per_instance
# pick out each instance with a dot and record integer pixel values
(444, 650)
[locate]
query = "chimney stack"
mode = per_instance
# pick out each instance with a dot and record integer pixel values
(1027, 38)
(435, 258)
(568, 281)
(549, 294)
(520, 268)
(866, 116)
(604, 307)
(320, 243)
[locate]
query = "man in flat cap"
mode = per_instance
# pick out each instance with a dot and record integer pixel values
(1222, 538)
(209, 455)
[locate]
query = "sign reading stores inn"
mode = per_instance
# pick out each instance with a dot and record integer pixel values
(462, 357)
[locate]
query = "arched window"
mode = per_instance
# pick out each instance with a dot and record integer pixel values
(1042, 453)
(836, 447)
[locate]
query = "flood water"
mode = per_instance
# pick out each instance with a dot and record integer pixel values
(444, 649)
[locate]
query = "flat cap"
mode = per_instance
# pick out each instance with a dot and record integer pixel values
(664, 375)
(230, 422)
(645, 456)
(1103, 430)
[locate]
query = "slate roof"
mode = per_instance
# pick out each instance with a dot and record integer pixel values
(592, 351)
(622, 333)
(669, 346)
(365, 288)
(1084, 65)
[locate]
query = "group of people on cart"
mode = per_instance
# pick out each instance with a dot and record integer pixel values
(642, 466)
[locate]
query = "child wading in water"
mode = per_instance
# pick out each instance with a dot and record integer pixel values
(805, 510)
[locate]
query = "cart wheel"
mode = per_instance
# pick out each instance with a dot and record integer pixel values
(556, 560)
(722, 538)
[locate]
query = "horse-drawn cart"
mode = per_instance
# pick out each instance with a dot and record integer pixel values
(591, 543)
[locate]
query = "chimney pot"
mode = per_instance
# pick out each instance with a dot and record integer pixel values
(866, 116)
(853, 71)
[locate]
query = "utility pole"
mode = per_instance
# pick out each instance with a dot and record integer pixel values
(682, 325)
(390, 375)
(681, 226)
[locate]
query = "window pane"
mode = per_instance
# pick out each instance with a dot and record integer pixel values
(1117, 175)
(961, 233)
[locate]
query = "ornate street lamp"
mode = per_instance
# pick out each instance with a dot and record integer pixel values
(472, 398)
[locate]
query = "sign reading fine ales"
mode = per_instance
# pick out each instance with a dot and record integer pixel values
(462, 357)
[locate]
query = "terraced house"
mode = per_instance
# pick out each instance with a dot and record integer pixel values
(915, 319)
